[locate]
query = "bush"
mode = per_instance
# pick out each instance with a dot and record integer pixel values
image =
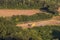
(35, 17)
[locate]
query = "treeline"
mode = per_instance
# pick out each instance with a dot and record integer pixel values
(28, 4)
(8, 31)
(34, 17)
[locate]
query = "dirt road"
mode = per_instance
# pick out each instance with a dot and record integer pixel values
(40, 23)
(11, 12)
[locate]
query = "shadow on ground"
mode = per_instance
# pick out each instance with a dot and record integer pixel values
(56, 34)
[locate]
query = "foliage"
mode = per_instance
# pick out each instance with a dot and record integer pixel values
(9, 31)
(27, 4)
(35, 17)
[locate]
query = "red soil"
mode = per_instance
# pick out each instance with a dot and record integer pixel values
(7, 12)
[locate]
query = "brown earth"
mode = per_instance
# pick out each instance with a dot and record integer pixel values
(56, 18)
(39, 23)
(58, 10)
(11, 12)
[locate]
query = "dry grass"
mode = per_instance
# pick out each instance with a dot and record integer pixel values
(56, 18)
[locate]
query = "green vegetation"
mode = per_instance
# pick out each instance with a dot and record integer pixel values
(9, 31)
(35, 17)
(28, 4)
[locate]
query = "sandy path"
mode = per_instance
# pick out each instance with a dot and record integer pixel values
(40, 23)
(11, 12)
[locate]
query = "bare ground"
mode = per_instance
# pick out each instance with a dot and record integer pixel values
(11, 12)
(40, 23)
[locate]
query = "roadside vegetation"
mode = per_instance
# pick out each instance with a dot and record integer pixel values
(28, 4)
(34, 17)
(9, 31)
(50, 5)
